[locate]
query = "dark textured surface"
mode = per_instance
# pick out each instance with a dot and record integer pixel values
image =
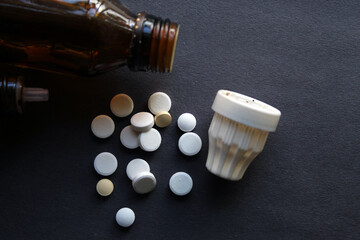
(299, 56)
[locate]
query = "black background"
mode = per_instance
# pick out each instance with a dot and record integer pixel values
(301, 57)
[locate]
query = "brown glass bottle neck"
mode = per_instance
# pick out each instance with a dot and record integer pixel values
(153, 45)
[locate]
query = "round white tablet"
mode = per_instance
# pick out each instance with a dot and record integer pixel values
(104, 187)
(190, 144)
(121, 105)
(102, 126)
(186, 122)
(136, 167)
(129, 138)
(150, 141)
(142, 121)
(105, 164)
(181, 183)
(159, 102)
(144, 182)
(125, 217)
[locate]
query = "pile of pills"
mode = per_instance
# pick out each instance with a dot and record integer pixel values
(141, 133)
(138, 171)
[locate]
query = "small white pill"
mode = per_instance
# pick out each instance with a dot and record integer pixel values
(135, 167)
(104, 187)
(102, 126)
(180, 183)
(121, 105)
(159, 102)
(150, 141)
(129, 138)
(105, 164)
(190, 144)
(186, 122)
(142, 121)
(125, 217)
(144, 182)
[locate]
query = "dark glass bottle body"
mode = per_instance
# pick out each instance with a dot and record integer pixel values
(84, 37)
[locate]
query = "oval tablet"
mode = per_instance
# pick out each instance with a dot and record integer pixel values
(142, 121)
(159, 102)
(121, 105)
(150, 141)
(135, 167)
(180, 183)
(186, 122)
(102, 126)
(190, 144)
(104, 187)
(144, 182)
(129, 137)
(105, 164)
(125, 217)
(163, 119)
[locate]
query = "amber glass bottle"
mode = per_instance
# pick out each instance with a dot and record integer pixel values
(84, 37)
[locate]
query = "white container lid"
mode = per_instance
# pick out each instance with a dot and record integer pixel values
(246, 110)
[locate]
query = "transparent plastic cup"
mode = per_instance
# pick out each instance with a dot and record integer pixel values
(238, 133)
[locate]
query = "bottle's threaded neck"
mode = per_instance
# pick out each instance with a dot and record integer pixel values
(10, 92)
(13, 94)
(154, 44)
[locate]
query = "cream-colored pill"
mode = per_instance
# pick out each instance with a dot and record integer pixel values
(121, 105)
(104, 187)
(163, 119)
(142, 121)
(159, 102)
(102, 126)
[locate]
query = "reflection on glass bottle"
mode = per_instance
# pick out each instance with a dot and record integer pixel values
(84, 37)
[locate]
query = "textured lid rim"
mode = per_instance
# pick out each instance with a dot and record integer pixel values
(246, 110)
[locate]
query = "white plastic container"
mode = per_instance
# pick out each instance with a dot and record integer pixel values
(238, 133)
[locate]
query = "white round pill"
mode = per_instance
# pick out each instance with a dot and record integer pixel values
(129, 137)
(121, 105)
(125, 217)
(186, 122)
(180, 183)
(142, 121)
(135, 167)
(144, 182)
(150, 141)
(102, 126)
(105, 164)
(159, 102)
(190, 144)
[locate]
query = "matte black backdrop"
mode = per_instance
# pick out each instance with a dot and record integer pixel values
(299, 56)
